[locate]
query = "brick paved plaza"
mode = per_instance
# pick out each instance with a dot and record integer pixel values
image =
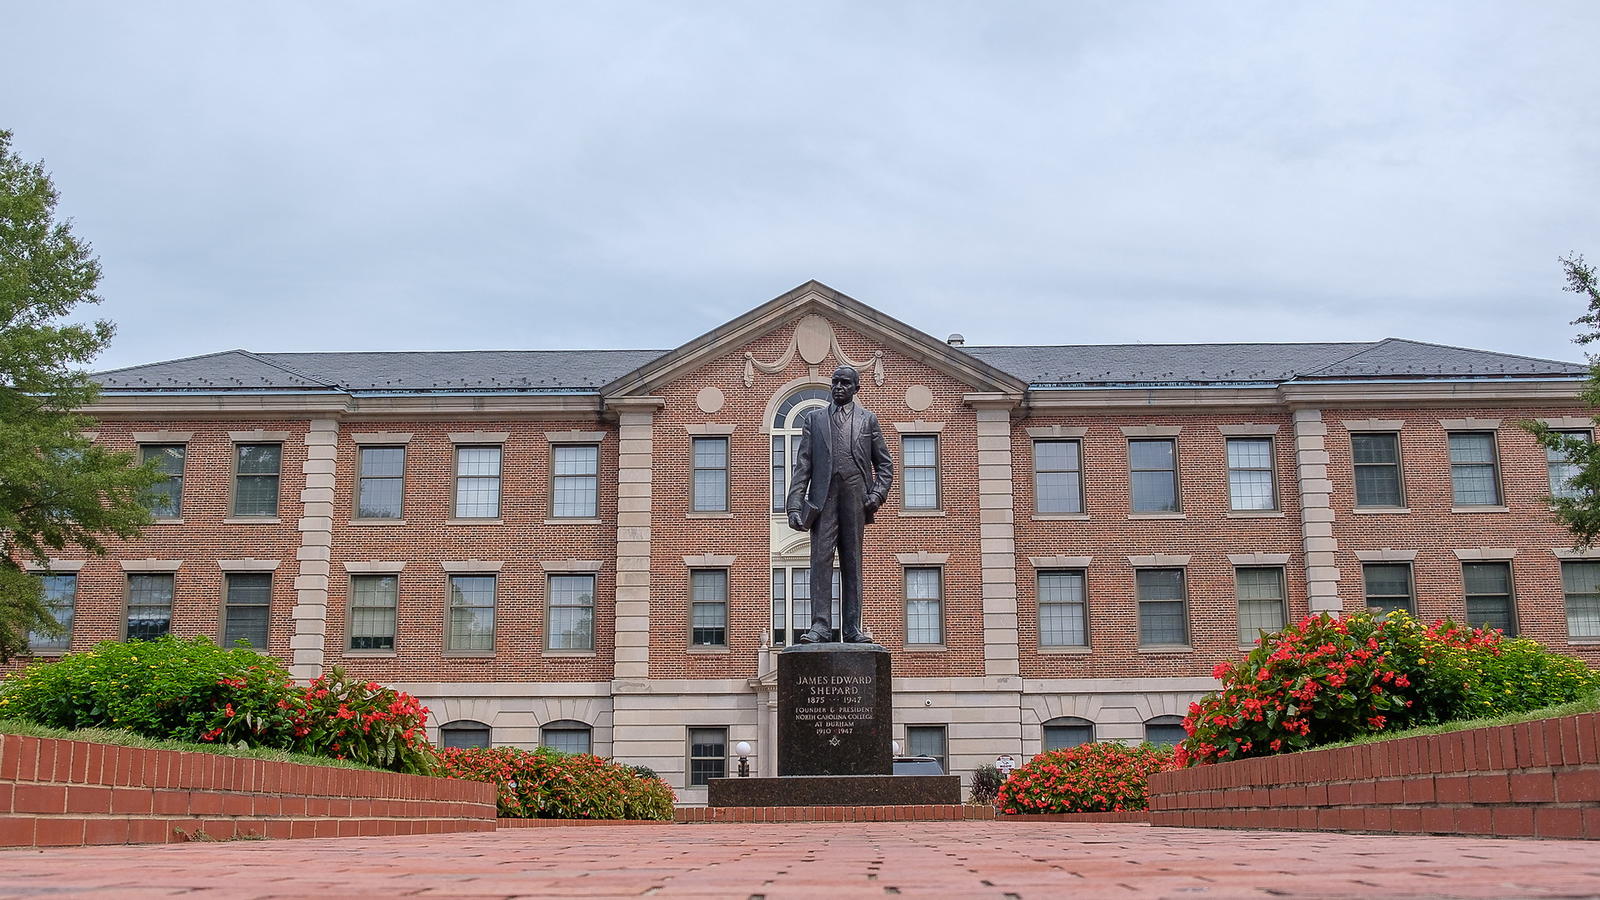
(957, 859)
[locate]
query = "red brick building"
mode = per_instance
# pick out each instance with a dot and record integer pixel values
(586, 549)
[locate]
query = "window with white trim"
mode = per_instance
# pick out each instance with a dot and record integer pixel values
(247, 602)
(1580, 586)
(708, 486)
(165, 497)
(1260, 592)
(1250, 474)
(1057, 477)
(1375, 457)
(465, 734)
(1474, 469)
(1487, 586)
(708, 755)
(924, 605)
(708, 607)
(1163, 602)
(60, 591)
(255, 479)
(373, 599)
(574, 481)
(1166, 730)
(477, 482)
(380, 482)
(567, 736)
(1153, 474)
(919, 460)
(927, 740)
(470, 627)
(149, 605)
(1563, 468)
(1388, 587)
(571, 612)
(1063, 621)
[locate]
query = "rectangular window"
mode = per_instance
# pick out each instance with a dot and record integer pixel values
(1488, 590)
(477, 483)
(471, 624)
(255, 479)
(1562, 467)
(1580, 582)
(372, 611)
(571, 612)
(380, 482)
(1388, 586)
(927, 740)
(1057, 477)
(1250, 471)
(574, 481)
(166, 497)
(60, 596)
(1376, 459)
(1153, 468)
(780, 608)
(1261, 602)
(708, 755)
(566, 738)
(1163, 619)
(1474, 480)
(780, 474)
(924, 605)
(709, 488)
(246, 604)
(149, 606)
(708, 607)
(919, 457)
(1062, 622)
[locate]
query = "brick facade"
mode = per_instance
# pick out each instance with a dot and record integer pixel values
(987, 680)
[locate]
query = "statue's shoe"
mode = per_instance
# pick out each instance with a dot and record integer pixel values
(861, 637)
(814, 636)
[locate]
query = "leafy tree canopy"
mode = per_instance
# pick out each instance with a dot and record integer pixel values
(57, 489)
(1580, 509)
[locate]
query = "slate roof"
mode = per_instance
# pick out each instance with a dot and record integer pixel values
(473, 371)
(1201, 364)
(585, 371)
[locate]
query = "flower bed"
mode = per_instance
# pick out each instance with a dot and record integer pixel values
(545, 784)
(1089, 778)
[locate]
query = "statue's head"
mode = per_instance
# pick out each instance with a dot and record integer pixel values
(846, 382)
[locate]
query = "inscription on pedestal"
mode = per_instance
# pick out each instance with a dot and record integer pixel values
(834, 709)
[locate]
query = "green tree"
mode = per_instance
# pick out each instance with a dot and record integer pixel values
(1580, 510)
(57, 489)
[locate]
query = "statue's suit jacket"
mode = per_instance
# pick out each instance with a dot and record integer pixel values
(813, 468)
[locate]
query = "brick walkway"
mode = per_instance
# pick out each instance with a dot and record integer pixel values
(840, 861)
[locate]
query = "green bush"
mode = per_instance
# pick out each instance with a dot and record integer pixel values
(986, 782)
(1096, 777)
(167, 689)
(547, 784)
(1325, 680)
(345, 718)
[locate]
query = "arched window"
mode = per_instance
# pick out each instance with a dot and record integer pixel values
(1067, 731)
(567, 736)
(786, 424)
(1165, 730)
(464, 733)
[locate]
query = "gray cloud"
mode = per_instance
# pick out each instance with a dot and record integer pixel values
(391, 176)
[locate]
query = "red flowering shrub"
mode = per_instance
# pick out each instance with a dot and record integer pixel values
(1325, 680)
(1098, 777)
(363, 721)
(546, 784)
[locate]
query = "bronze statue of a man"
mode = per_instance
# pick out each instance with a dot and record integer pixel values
(842, 472)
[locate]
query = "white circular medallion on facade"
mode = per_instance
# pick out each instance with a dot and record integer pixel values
(812, 337)
(919, 397)
(709, 400)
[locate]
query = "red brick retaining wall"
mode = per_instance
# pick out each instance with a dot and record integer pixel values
(63, 792)
(1537, 779)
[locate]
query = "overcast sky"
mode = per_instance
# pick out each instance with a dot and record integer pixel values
(390, 176)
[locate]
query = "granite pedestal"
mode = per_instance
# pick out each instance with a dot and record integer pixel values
(835, 711)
